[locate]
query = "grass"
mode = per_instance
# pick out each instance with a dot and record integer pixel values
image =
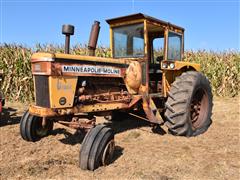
(222, 68)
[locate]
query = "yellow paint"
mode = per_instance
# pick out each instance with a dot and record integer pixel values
(153, 107)
(41, 111)
(181, 64)
(111, 41)
(155, 24)
(126, 23)
(62, 86)
(178, 65)
(51, 112)
(100, 107)
(169, 75)
(182, 55)
(42, 55)
(91, 58)
(145, 38)
(165, 43)
(164, 90)
(52, 56)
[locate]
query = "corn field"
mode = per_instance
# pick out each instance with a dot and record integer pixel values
(222, 68)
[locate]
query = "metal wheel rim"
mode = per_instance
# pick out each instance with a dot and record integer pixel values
(108, 153)
(199, 108)
(40, 130)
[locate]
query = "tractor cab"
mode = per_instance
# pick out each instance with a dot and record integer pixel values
(156, 43)
(141, 36)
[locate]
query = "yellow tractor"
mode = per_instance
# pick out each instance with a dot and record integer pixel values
(145, 77)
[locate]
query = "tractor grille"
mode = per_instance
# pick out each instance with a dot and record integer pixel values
(42, 91)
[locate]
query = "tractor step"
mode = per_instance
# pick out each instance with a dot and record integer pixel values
(152, 112)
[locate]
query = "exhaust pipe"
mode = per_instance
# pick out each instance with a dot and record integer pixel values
(93, 38)
(67, 30)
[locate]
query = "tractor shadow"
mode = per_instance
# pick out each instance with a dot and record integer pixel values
(126, 123)
(119, 126)
(9, 116)
(69, 138)
(129, 122)
(118, 152)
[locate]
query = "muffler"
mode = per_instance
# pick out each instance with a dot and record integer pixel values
(92, 44)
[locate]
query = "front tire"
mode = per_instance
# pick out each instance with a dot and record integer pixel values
(189, 105)
(31, 128)
(97, 148)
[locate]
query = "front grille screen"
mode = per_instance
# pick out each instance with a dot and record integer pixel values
(42, 91)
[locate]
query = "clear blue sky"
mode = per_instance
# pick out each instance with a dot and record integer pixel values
(209, 24)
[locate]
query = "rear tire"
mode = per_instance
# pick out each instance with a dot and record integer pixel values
(31, 128)
(97, 148)
(189, 105)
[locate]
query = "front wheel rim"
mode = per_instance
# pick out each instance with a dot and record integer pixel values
(108, 153)
(40, 130)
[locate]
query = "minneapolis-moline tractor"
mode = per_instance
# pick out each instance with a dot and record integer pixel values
(146, 77)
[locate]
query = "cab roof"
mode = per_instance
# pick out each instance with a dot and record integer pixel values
(141, 16)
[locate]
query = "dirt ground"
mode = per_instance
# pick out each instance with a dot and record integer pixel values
(140, 153)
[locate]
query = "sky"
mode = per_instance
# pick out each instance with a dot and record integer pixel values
(209, 24)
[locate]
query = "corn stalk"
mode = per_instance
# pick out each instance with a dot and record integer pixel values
(222, 68)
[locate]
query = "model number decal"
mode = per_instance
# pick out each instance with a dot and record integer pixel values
(63, 86)
(91, 69)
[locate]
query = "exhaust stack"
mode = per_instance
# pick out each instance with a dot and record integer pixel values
(67, 30)
(93, 38)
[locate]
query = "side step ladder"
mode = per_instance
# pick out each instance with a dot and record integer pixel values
(152, 112)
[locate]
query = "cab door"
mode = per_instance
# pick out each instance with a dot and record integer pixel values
(155, 73)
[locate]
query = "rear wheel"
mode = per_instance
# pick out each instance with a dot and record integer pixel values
(31, 128)
(189, 105)
(97, 148)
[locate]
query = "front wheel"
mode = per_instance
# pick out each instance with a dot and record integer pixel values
(31, 128)
(97, 148)
(189, 105)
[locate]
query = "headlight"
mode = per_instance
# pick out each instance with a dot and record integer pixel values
(164, 65)
(171, 65)
(41, 68)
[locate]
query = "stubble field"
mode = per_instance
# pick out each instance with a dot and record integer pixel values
(140, 153)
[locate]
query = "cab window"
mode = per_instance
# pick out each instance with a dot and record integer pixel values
(128, 41)
(174, 46)
(158, 50)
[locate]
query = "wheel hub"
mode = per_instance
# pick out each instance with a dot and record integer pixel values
(199, 107)
(42, 131)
